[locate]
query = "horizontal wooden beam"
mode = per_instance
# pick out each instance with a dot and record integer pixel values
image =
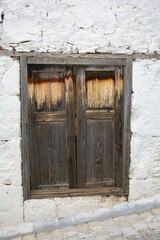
(50, 117)
(76, 192)
(15, 54)
(76, 60)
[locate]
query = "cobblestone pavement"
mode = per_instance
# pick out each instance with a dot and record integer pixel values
(142, 226)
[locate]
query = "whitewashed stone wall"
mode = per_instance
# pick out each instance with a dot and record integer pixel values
(11, 199)
(86, 26)
(117, 26)
(145, 126)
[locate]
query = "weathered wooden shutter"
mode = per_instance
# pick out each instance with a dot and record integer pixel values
(99, 126)
(51, 131)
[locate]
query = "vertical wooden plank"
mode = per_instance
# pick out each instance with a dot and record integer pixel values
(99, 150)
(24, 127)
(81, 127)
(126, 124)
(118, 125)
(70, 128)
(108, 167)
(32, 131)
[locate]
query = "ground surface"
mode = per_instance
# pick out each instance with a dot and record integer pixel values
(142, 226)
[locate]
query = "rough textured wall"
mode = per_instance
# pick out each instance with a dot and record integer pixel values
(117, 26)
(11, 201)
(80, 27)
(145, 127)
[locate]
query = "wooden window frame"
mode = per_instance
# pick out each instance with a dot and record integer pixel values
(102, 60)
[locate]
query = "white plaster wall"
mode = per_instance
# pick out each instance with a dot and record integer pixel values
(11, 203)
(117, 26)
(145, 126)
(79, 27)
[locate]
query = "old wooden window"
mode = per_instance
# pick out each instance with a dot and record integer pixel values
(75, 126)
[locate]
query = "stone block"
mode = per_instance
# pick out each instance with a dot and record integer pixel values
(146, 98)
(144, 157)
(10, 163)
(11, 207)
(10, 76)
(143, 188)
(78, 200)
(9, 117)
(39, 210)
(67, 210)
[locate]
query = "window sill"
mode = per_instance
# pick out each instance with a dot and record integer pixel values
(39, 194)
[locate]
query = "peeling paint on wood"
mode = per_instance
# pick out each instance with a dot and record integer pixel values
(49, 91)
(99, 89)
(100, 93)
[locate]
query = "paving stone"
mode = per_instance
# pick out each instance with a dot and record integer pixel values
(69, 229)
(71, 237)
(29, 237)
(84, 231)
(95, 225)
(57, 237)
(85, 235)
(146, 214)
(43, 236)
(156, 211)
(147, 234)
(129, 231)
(134, 218)
(114, 231)
(134, 237)
(118, 237)
(18, 238)
(140, 226)
(154, 225)
(104, 237)
(70, 233)
(82, 227)
(109, 224)
(57, 234)
(122, 221)
(101, 233)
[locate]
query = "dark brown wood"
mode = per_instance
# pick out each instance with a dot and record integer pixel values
(103, 130)
(51, 128)
(76, 192)
(81, 134)
(100, 184)
(50, 117)
(52, 153)
(99, 154)
(70, 121)
(99, 128)
(118, 126)
(126, 124)
(24, 127)
(93, 114)
(99, 68)
(77, 61)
